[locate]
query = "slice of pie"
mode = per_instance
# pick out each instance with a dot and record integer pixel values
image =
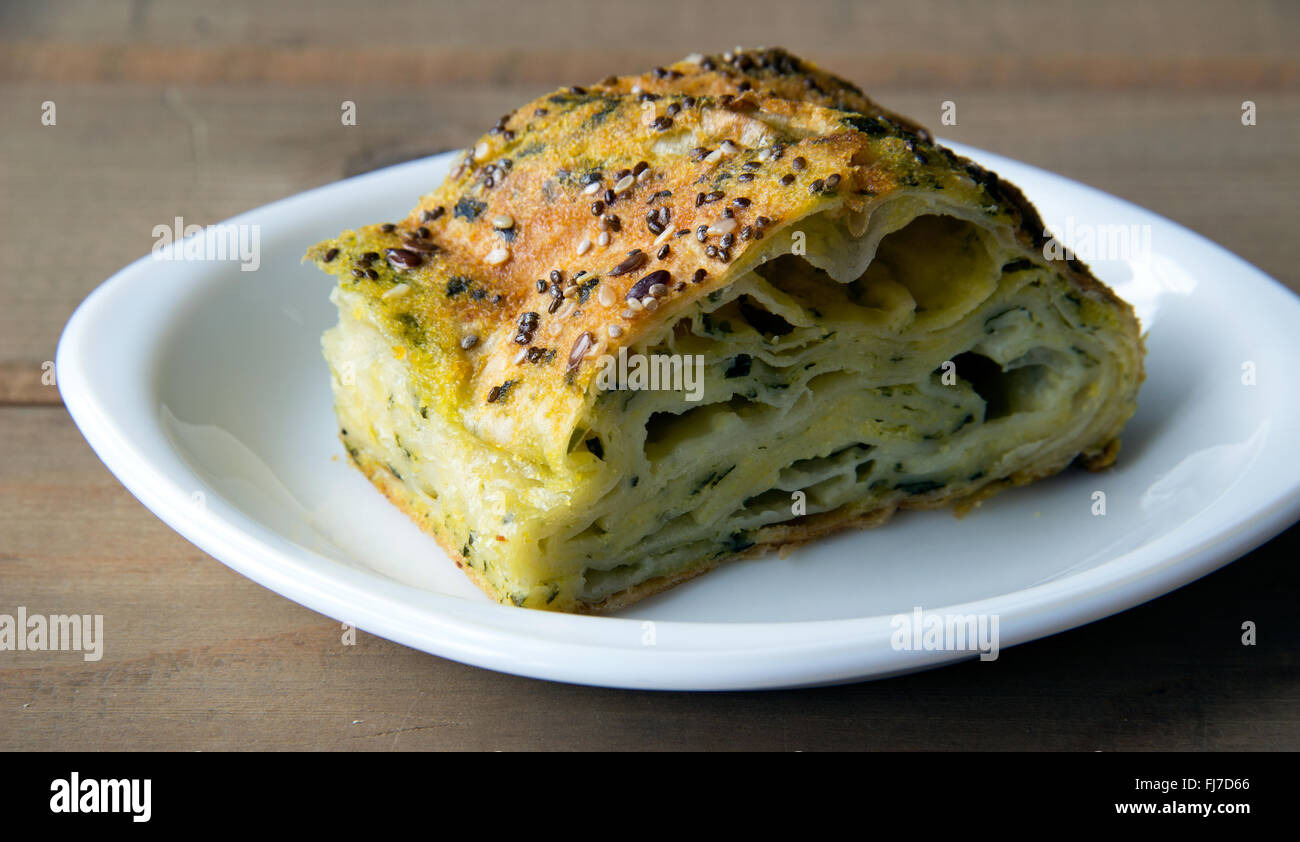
(641, 330)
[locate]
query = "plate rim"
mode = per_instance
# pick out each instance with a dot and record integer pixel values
(578, 649)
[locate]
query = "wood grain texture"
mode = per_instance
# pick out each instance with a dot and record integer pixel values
(206, 110)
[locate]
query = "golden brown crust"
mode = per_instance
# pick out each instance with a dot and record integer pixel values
(484, 340)
(771, 71)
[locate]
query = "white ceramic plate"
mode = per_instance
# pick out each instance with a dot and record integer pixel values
(203, 389)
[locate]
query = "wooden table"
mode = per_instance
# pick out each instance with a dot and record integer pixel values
(205, 110)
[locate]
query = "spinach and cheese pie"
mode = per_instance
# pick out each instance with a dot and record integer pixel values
(675, 319)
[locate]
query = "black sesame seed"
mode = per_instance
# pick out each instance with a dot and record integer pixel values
(752, 165)
(699, 153)
(541, 285)
(404, 258)
(713, 196)
(682, 232)
(610, 196)
(597, 207)
(555, 304)
(388, 227)
(787, 180)
(357, 273)
(816, 186)
(799, 164)
(745, 176)
(494, 394)
(642, 287)
(641, 167)
(330, 255)
(700, 275)
(663, 251)
(631, 263)
(372, 274)
(557, 276)
(832, 181)
(662, 124)
(762, 222)
(727, 240)
(740, 202)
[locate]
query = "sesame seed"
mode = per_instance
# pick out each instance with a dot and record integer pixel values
(722, 226)
(605, 296)
(469, 342)
(628, 313)
(572, 289)
(520, 357)
(397, 291)
(503, 221)
(614, 331)
(634, 304)
(497, 256)
(591, 188)
(657, 290)
(584, 246)
(650, 304)
(624, 183)
(603, 239)
(481, 151)
(663, 235)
